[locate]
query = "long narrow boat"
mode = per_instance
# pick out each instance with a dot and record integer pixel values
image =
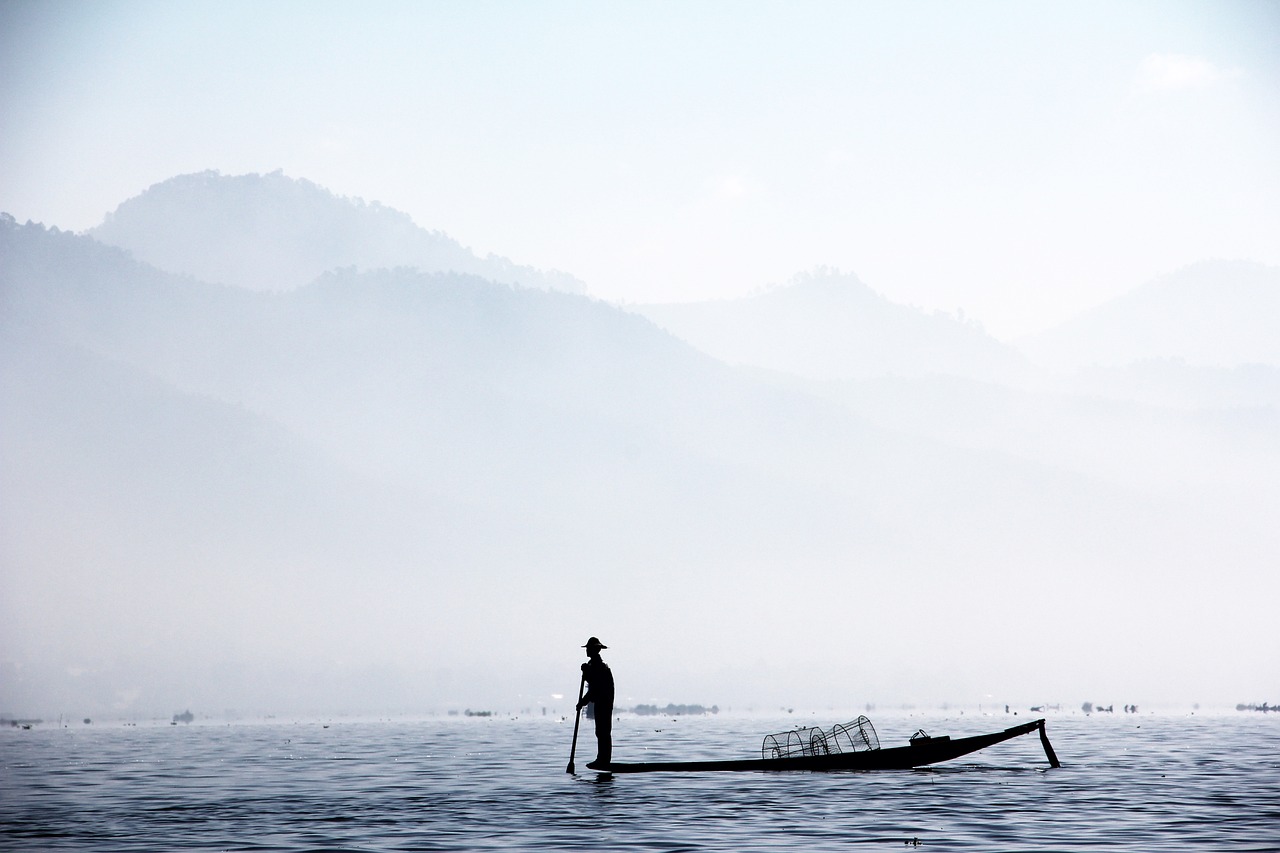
(921, 751)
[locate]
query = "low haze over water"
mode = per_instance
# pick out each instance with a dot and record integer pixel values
(1128, 782)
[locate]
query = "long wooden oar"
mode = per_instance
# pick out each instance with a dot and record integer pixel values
(577, 718)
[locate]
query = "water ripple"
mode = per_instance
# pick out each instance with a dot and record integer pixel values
(1161, 783)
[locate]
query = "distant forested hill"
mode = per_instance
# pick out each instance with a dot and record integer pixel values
(829, 325)
(412, 457)
(360, 489)
(1210, 314)
(272, 232)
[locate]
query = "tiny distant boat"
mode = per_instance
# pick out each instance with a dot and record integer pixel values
(850, 746)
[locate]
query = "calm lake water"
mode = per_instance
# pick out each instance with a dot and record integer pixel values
(1128, 782)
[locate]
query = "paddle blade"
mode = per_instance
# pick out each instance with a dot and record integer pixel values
(1048, 748)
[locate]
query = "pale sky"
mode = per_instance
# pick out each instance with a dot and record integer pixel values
(1021, 161)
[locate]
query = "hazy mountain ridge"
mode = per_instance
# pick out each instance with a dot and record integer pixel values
(436, 437)
(272, 232)
(447, 349)
(412, 457)
(1200, 337)
(837, 339)
(1173, 383)
(1170, 439)
(830, 325)
(1210, 314)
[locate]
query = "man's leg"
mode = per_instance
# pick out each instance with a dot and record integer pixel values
(604, 735)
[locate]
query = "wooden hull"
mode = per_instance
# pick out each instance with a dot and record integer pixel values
(918, 754)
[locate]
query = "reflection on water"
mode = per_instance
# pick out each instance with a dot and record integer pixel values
(1148, 783)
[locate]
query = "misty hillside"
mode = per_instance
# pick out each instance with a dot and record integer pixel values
(828, 325)
(271, 232)
(317, 497)
(465, 388)
(1210, 314)
(1211, 436)
(313, 485)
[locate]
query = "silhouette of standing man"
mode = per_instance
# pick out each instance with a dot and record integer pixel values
(599, 692)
